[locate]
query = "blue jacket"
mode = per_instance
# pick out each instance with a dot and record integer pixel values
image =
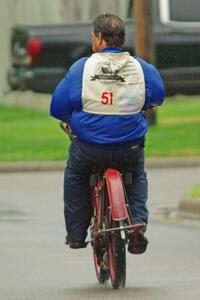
(67, 105)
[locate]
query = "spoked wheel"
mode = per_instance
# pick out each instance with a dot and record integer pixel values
(117, 259)
(100, 263)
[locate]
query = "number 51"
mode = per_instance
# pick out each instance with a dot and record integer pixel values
(107, 98)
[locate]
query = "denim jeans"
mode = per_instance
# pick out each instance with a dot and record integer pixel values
(83, 157)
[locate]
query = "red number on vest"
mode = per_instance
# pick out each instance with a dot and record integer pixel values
(107, 98)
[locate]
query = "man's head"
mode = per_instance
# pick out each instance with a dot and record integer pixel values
(108, 31)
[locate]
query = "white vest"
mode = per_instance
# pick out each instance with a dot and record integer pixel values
(113, 84)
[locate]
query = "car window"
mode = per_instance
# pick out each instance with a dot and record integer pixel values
(180, 12)
(185, 10)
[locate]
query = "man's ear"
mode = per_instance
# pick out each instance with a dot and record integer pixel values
(101, 39)
(100, 36)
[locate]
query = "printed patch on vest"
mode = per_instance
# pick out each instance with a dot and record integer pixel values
(108, 71)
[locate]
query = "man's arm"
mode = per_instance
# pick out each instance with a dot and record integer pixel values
(67, 95)
(61, 107)
(154, 87)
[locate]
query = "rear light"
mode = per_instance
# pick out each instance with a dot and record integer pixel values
(33, 47)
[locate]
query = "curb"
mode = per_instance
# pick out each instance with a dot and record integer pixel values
(191, 205)
(173, 162)
(47, 166)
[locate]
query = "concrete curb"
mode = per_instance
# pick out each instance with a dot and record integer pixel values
(191, 205)
(37, 166)
(46, 166)
(173, 162)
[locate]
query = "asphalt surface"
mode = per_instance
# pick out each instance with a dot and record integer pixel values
(35, 263)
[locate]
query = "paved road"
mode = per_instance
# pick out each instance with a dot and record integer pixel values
(35, 264)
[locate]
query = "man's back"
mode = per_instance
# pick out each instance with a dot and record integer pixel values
(106, 94)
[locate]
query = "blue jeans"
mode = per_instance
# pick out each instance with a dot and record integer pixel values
(77, 193)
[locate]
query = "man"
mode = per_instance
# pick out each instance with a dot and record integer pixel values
(102, 97)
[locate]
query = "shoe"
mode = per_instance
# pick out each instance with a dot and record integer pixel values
(75, 244)
(137, 243)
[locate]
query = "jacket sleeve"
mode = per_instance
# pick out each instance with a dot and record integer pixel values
(154, 87)
(67, 95)
(61, 107)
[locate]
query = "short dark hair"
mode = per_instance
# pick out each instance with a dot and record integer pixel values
(111, 28)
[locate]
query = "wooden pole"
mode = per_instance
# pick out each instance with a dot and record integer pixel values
(144, 46)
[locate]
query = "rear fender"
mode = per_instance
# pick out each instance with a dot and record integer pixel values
(116, 195)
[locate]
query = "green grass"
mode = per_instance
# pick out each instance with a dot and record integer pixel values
(177, 132)
(195, 192)
(27, 135)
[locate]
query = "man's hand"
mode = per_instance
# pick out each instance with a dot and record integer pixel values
(151, 108)
(66, 127)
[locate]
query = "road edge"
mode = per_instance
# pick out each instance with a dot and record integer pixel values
(46, 166)
(190, 205)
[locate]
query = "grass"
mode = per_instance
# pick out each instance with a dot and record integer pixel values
(177, 132)
(195, 192)
(27, 135)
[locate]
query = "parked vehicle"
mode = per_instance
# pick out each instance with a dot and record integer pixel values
(41, 55)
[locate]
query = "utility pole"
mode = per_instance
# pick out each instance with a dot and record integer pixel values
(144, 46)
